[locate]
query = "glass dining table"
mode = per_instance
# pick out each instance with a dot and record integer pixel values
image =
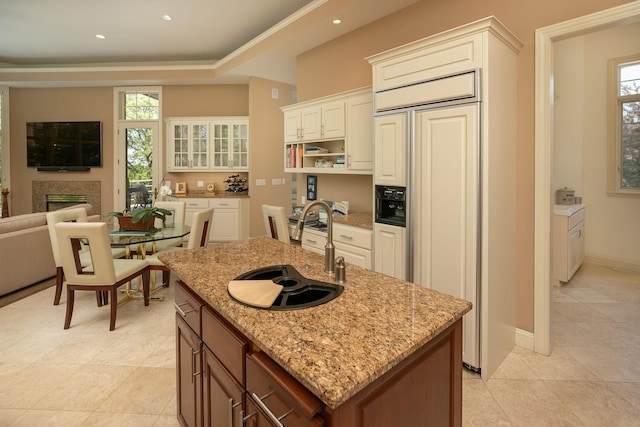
(137, 241)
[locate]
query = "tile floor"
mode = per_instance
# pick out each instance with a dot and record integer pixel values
(88, 376)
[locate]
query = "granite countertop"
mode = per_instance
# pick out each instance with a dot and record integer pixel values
(567, 210)
(205, 195)
(359, 219)
(335, 349)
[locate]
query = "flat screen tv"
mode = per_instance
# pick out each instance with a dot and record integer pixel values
(64, 146)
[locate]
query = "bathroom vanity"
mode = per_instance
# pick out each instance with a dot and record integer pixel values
(383, 353)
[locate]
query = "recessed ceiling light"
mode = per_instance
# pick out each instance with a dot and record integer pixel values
(167, 17)
(100, 36)
(337, 21)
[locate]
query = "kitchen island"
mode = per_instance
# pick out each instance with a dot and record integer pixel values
(384, 353)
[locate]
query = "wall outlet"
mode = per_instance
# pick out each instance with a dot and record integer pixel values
(275, 93)
(261, 182)
(283, 181)
(200, 183)
(303, 200)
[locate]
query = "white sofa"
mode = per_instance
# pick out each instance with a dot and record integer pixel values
(25, 251)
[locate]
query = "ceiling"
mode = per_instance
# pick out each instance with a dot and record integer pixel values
(237, 39)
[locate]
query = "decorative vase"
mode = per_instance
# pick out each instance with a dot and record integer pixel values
(126, 223)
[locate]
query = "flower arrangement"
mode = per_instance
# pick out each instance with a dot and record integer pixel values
(140, 219)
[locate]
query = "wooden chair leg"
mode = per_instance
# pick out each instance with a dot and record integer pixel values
(114, 308)
(166, 277)
(145, 285)
(59, 284)
(70, 300)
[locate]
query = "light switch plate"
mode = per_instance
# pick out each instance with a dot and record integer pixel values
(261, 182)
(200, 183)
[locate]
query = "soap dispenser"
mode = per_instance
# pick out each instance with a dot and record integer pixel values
(341, 267)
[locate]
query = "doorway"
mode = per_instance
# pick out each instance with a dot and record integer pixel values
(137, 164)
(545, 39)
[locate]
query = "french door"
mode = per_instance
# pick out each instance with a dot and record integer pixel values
(137, 164)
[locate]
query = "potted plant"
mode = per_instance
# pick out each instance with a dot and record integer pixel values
(139, 220)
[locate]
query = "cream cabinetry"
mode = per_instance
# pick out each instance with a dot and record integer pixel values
(568, 241)
(333, 134)
(230, 216)
(188, 143)
(352, 243)
(230, 144)
(315, 122)
(391, 150)
(196, 144)
(456, 92)
(390, 250)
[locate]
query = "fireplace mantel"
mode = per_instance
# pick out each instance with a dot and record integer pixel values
(42, 189)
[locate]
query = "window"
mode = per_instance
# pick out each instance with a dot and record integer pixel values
(624, 126)
(4, 140)
(141, 105)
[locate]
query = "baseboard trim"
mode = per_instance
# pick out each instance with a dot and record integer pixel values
(618, 265)
(525, 339)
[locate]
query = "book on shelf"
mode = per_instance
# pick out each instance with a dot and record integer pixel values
(312, 149)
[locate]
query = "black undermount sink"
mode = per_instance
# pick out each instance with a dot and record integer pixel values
(298, 291)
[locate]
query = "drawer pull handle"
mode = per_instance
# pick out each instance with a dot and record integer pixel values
(265, 408)
(311, 241)
(346, 236)
(224, 204)
(194, 353)
(231, 407)
(182, 312)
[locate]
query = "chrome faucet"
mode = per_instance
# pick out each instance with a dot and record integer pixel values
(329, 249)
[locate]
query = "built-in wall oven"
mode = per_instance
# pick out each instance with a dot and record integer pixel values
(391, 205)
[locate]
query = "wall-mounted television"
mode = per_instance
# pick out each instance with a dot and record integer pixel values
(64, 146)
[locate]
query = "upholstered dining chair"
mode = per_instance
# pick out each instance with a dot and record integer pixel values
(275, 222)
(70, 215)
(198, 237)
(178, 210)
(104, 274)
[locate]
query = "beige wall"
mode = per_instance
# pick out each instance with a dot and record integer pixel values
(345, 57)
(71, 104)
(611, 223)
(96, 103)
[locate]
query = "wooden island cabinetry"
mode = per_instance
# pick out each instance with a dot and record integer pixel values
(304, 367)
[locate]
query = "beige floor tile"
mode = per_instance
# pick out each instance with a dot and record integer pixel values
(569, 334)
(86, 389)
(607, 363)
(620, 312)
(8, 416)
(614, 334)
(594, 403)
(166, 421)
(628, 390)
(120, 420)
(559, 365)
(530, 403)
(579, 312)
(145, 391)
(514, 368)
(164, 356)
(51, 419)
(130, 350)
(23, 385)
(479, 408)
(172, 406)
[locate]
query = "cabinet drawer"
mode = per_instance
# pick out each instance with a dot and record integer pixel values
(312, 239)
(225, 203)
(196, 203)
(229, 346)
(576, 219)
(188, 306)
(276, 392)
(352, 235)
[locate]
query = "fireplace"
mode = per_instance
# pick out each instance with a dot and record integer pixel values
(53, 195)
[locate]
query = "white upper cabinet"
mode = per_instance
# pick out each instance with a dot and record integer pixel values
(230, 140)
(333, 134)
(196, 144)
(188, 144)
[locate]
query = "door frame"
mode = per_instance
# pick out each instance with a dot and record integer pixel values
(543, 197)
(120, 156)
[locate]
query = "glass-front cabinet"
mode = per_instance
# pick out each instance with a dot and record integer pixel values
(231, 144)
(207, 143)
(188, 145)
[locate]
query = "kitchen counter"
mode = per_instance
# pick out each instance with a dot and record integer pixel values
(567, 210)
(335, 349)
(359, 219)
(205, 195)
